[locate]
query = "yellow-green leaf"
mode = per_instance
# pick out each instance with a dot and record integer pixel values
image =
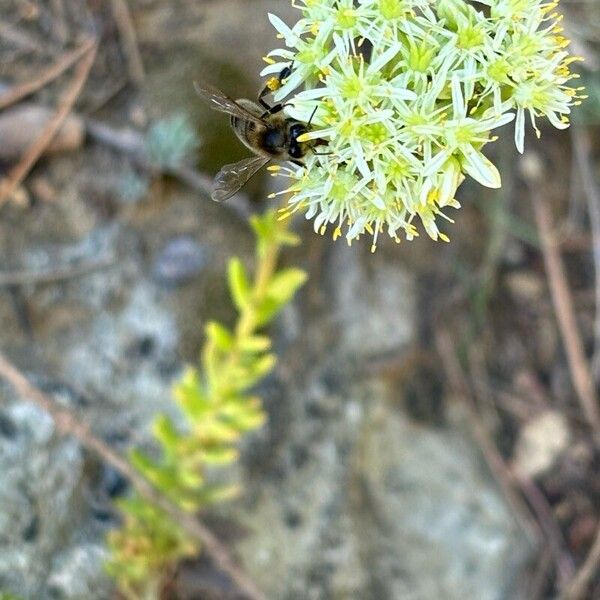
(255, 343)
(220, 335)
(239, 284)
(285, 284)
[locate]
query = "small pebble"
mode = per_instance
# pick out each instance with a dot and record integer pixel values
(22, 125)
(180, 260)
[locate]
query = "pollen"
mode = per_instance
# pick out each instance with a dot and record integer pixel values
(273, 83)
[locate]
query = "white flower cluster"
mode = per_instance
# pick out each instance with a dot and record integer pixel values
(406, 94)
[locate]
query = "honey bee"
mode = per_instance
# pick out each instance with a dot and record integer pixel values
(261, 128)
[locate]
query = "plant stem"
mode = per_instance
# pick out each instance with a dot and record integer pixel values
(265, 268)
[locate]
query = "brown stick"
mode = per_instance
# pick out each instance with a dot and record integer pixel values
(459, 385)
(132, 143)
(582, 147)
(68, 425)
(8, 279)
(122, 16)
(579, 584)
(25, 89)
(18, 38)
(561, 295)
(556, 541)
(20, 171)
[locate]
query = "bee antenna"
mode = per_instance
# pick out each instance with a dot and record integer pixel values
(311, 116)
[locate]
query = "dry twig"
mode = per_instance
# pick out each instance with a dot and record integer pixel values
(131, 142)
(65, 62)
(17, 37)
(536, 584)
(67, 424)
(459, 385)
(581, 145)
(59, 25)
(20, 171)
(131, 50)
(579, 584)
(561, 295)
(8, 279)
(556, 542)
(503, 473)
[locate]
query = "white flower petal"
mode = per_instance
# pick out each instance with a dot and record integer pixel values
(480, 168)
(458, 102)
(288, 35)
(520, 130)
(436, 163)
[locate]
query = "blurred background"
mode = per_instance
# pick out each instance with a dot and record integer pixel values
(430, 431)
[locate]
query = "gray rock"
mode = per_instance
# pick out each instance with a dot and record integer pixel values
(43, 514)
(375, 302)
(379, 508)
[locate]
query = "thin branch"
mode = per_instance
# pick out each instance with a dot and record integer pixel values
(18, 38)
(579, 584)
(68, 425)
(122, 16)
(8, 279)
(131, 142)
(20, 171)
(58, 68)
(458, 383)
(561, 294)
(581, 145)
(506, 476)
(535, 589)
(556, 541)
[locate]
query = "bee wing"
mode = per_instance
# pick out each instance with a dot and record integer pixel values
(219, 101)
(232, 177)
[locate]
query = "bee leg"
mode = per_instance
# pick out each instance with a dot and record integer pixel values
(273, 110)
(265, 92)
(260, 98)
(297, 162)
(284, 74)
